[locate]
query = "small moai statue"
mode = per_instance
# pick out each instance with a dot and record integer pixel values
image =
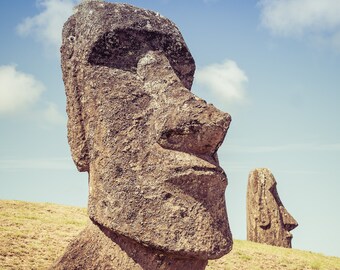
(268, 221)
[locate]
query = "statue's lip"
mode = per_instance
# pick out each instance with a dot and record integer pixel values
(199, 174)
(199, 168)
(289, 236)
(216, 169)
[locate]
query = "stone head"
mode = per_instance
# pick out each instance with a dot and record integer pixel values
(148, 144)
(268, 221)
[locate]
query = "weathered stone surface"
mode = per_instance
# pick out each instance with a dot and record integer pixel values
(148, 144)
(98, 248)
(267, 219)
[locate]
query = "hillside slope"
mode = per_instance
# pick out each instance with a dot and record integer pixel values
(33, 235)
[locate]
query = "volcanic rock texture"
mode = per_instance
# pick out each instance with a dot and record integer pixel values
(267, 219)
(148, 144)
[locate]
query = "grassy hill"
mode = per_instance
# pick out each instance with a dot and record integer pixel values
(33, 235)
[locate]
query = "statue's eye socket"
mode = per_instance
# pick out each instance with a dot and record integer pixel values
(122, 49)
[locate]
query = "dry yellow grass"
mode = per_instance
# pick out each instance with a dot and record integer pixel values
(248, 255)
(33, 235)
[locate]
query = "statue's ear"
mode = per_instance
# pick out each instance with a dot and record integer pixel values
(259, 200)
(264, 219)
(75, 126)
(264, 215)
(76, 134)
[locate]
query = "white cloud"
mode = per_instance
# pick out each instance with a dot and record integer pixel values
(52, 115)
(21, 92)
(47, 25)
(319, 19)
(226, 81)
(18, 90)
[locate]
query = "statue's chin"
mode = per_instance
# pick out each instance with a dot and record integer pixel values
(195, 233)
(179, 211)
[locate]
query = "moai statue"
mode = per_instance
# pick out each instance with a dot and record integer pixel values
(267, 219)
(156, 190)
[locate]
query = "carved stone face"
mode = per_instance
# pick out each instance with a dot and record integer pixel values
(267, 219)
(148, 143)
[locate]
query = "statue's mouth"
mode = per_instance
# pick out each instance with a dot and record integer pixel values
(204, 184)
(289, 236)
(210, 169)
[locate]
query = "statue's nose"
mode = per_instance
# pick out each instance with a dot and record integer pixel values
(288, 221)
(194, 127)
(190, 124)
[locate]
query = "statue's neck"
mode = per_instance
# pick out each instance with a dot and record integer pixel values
(98, 248)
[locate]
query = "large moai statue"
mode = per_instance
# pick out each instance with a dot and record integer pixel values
(267, 219)
(156, 190)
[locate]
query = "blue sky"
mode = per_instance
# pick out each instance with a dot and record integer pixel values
(273, 65)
